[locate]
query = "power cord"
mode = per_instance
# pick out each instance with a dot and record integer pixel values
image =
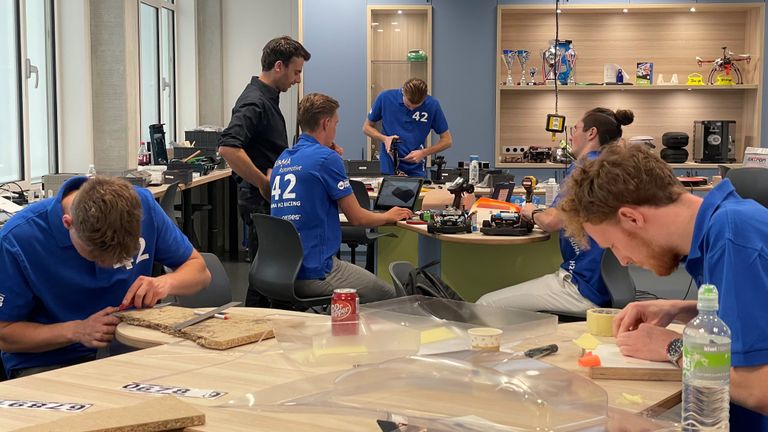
(689, 289)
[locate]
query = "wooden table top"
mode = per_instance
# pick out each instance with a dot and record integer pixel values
(249, 368)
(479, 238)
(158, 191)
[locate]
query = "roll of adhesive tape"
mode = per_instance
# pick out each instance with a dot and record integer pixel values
(600, 321)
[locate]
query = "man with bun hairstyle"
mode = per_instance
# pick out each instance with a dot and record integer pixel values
(577, 285)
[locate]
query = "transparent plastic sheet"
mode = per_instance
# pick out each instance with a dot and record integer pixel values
(462, 391)
(405, 326)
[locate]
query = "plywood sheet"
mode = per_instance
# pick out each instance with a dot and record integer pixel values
(211, 333)
(614, 365)
(165, 413)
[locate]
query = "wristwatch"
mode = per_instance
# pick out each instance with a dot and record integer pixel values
(675, 350)
(535, 212)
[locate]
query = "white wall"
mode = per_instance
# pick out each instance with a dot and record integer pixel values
(246, 26)
(73, 67)
(186, 67)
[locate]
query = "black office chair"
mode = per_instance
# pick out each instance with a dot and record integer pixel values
(168, 199)
(217, 293)
(355, 236)
(751, 183)
(277, 262)
(400, 271)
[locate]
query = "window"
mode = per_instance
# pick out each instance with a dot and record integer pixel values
(157, 42)
(27, 88)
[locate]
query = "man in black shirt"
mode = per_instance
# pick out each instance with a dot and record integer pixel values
(257, 135)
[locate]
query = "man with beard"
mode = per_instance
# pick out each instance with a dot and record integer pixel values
(630, 201)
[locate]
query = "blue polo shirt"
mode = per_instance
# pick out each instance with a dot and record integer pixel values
(584, 265)
(306, 182)
(46, 281)
(412, 126)
(730, 250)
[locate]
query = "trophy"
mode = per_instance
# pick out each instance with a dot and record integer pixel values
(522, 58)
(558, 62)
(532, 71)
(509, 58)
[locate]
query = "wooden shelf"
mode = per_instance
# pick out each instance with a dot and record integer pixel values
(398, 62)
(550, 165)
(603, 88)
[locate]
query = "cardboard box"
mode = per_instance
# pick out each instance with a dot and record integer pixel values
(644, 73)
(756, 157)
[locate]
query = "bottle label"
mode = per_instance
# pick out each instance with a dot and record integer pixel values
(707, 362)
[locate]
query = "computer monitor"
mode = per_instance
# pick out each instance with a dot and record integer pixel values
(157, 144)
(398, 192)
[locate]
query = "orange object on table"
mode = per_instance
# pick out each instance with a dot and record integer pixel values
(589, 360)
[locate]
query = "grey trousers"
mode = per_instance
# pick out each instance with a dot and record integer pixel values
(347, 275)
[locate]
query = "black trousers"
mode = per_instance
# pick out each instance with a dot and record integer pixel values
(250, 201)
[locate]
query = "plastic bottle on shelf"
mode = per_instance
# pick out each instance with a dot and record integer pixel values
(474, 169)
(706, 367)
(91, 171)
(551, 188)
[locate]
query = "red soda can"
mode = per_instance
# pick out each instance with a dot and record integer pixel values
(344, 316)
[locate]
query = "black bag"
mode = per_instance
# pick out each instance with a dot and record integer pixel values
(422, 282)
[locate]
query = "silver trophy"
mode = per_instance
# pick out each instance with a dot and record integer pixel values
(532, 71)
(509, 59)
(522, 58)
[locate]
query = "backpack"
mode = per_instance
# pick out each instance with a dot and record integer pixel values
(422, 282)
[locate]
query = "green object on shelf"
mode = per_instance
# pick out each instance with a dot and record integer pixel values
(417, 55)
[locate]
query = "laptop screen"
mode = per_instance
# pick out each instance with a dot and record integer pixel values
(398, 192)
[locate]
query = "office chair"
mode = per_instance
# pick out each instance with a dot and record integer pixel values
(751, 183)
(277, 262)
(168, 199)
(400, 271)
(217, 293)
(354, 236)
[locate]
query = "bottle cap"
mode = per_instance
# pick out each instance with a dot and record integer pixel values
(708, 297)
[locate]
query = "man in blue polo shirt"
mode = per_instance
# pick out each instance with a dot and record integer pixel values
(408, 114)
(309, 185)
(629, 200)
(68, 262)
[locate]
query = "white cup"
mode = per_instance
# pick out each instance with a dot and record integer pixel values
(485, 338)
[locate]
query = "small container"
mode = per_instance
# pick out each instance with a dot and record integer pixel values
(91, 171)
(345, 306)
(485, 338)
(619, 76)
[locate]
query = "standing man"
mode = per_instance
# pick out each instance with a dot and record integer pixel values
(67, 263)
(257, 134)
(630, 201)
(309, 185)
(408, 114)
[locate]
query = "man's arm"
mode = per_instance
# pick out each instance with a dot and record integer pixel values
(244, 167)
(548, 220)
(369, 129)
(187, 279)
(359, 216)
(747, 387)
(418, 155)
(95, 332)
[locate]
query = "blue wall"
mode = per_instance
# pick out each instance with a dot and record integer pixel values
(463, 72)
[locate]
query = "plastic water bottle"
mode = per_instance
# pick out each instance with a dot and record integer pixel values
(474, 169)
(551, 189)
(91, 171)
(706, 367)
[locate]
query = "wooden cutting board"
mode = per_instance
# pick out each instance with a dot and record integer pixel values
(166, 413)
(618, 367)
(211, 333)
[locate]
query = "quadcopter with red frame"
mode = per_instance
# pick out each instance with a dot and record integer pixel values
(726, 63)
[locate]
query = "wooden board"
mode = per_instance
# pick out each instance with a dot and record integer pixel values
(165, 413)
(618, 367)
(211, 333)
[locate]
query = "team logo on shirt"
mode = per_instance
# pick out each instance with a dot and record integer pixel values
(141, 256)
(343, 184)
(2, 297)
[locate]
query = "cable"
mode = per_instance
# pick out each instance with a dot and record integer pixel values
(685, 297)
(557, 41)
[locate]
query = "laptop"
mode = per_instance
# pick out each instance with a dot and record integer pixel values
(398, 192)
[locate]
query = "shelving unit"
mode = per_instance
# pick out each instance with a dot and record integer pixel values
(392, 32)
(670, 36)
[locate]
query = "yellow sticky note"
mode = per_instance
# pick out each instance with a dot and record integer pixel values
(436, 335)
(587, 342)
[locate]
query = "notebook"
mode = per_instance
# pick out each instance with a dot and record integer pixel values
(398, 192)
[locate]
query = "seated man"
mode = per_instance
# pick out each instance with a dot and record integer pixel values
(629, 200)
(309, 185)
(409, 114)
(67, 262)
(577, 285)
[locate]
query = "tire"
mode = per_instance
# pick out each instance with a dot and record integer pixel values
(674, 155)
(674, 140)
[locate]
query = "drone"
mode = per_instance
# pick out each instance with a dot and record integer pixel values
(725, 63)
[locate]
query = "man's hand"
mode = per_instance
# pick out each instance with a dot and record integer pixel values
(388, 142)
(146, 292)
(397, 213)
(264, 188)
(416, 156)
(335, 147)
(98, 329)
(527, 210)
(648, 342)
(656, 312)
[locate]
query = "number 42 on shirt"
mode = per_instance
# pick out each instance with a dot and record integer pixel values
(289, 181)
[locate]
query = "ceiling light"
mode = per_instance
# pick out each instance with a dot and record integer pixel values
(374, 24)
(379, 30)
(625, 10)
(559, 11)
(400, 12)
(693, 9)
